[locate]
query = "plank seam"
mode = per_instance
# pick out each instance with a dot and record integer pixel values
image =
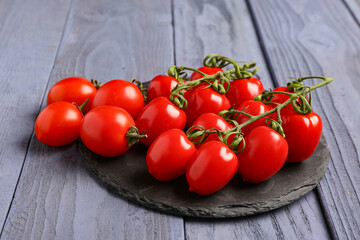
(173, 29)
(351, 12)
(33, 133)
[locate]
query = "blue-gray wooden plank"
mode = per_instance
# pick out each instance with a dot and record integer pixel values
(30, 33)
(56, 197)
(322, 38)
(225, 27)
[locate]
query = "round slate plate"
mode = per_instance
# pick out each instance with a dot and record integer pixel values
(128, 177)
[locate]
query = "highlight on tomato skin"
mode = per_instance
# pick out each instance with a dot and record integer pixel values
(72, 89)
(169, 155)
(212, 167)
(264, 155)
(244, 89)
(103, 130)
(58, 124)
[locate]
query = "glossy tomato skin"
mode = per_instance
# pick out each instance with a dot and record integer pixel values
(157, 117)
(160, 86)
(120, 93)
(72, 89)
(204, 100)
(169, 155)
(212, 167)
(104, 129)
(302, 132)
(206, 70)
(264, 155)
(58, 124)
(211, 120)
(244, 89)
(254, 108)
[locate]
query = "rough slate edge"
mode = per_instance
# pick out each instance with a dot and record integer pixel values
(224, 211)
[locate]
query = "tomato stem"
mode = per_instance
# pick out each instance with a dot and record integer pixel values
(133, 136)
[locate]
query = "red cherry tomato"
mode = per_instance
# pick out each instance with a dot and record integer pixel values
(72, 89)
(302, 133)
(120, 93)
(254, 108)
(212, 167)
(161, 86)
(264, 155)
(169, 155)
(244, 89)
(157, 117)
(104, 129)
(58, 124)
(211, 120)
(204, 100)
(206, 70)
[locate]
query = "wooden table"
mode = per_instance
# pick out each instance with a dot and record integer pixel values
(46, 193)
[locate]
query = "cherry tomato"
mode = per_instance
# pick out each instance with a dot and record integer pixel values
(157, 117)
(161, 86)
(212, 167)
(211, 120)
(104, 129)
(204, 100)
(206, 70)
(264, 155)
(244, 89)
(254, 108)
(169, 155)
(120, 93)
(58, 124)
(302, 133)
(72, 89)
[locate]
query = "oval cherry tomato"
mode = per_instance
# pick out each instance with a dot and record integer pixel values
(161, 86)
(302, 133)
(211, 120)
(204, 100)
(244, 89)
(58, 124)
(254, 108)
(206, 70)
(120, 93)
(264, 155)
(212, 167)
(169, 155)
(157, 117)
(104, 129)
(72, 89)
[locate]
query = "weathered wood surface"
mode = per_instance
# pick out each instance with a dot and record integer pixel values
(56, 197)
(27, 54)
(322, 38)
(225, 27)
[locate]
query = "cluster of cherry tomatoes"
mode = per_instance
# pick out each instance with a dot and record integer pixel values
(228, 131)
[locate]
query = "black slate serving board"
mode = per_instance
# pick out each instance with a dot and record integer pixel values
(128, 177)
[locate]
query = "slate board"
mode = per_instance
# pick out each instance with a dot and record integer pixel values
(128, 177)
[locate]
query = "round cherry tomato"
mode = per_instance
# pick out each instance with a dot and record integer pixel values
(302, 133)
(264, 155)
(104, 129)
(161, 86)
(204, 100)
(211, 120)
(206, 70)
(169, 155)
(254, 108)
(157, 117)
(244, 89)
(212, 167)
(72, 89)
(120, 93)
(58, 124)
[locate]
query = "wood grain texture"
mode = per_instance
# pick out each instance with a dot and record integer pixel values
(321, 38)
(354, 8)
(30, 33)
(56, 197)
(225, 27)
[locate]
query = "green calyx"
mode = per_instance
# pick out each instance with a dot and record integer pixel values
(133, 136)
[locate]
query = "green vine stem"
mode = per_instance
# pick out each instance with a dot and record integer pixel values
(133, 136)
(140, 86)
(96, 83)
(81, 107)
